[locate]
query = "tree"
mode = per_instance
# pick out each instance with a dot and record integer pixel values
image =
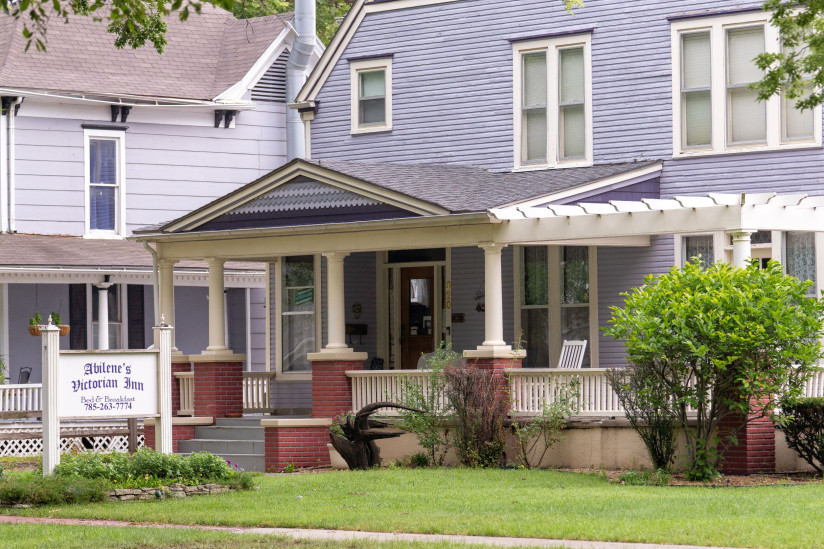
(328, 12)
(721, 341)
(798, 70)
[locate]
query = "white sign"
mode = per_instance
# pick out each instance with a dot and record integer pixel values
(108, 384)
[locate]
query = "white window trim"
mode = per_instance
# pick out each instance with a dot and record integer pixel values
(716, 27)
(552, 45)
(277, 266)
(120, 197)
(680, 248)
(365, 65)
(554, 305)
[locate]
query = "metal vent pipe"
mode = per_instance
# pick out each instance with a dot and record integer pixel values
(297, 67)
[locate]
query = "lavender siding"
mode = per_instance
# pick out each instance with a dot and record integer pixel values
(257, 316)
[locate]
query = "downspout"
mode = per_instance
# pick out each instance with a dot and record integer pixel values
(156, 285)
(296, 70)
(12, 114)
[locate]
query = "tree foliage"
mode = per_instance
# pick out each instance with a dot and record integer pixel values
(719, 341)
(328, 12)
(797, 70)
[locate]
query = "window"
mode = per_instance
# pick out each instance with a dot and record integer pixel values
(553, 103)
(702, 246)
(556, 302)
(799, 260)
(104, 182)
(715, 111)
(295, 312)
(127, 326)
(371, 95)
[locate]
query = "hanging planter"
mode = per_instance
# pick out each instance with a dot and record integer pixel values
(64, 329)
(36, 329)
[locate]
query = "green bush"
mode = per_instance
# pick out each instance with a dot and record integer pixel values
(645, 478)
(33, 489)
(804, 429)
(544, 431)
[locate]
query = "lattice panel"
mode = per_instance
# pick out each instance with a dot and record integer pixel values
(27, 447)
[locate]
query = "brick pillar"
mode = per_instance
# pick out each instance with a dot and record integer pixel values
(497, 367)
(755, 451)
(331, 389)
(149, 436)
(218, 389)
(178, 367)
(299, 442)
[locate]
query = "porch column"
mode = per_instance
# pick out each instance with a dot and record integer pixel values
(741, 247)
(335, 299)
(493, 297)
(103, 315)
(166, 299)
(217, 311)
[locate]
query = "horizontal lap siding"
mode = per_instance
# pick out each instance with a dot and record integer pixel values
(257, 317)
(170, 169)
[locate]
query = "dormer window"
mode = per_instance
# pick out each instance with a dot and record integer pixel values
(371, 95)
(553, 114)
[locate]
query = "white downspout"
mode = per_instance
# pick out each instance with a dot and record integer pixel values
(4, 174)
(296, 69)
(11, 178)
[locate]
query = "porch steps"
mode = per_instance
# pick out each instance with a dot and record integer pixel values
(239, 440)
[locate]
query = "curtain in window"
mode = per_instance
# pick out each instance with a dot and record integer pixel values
(534, 100)
(800, 257)
(797, 124)
(747, 116)
(696, 83)
(372, 100)
(102, 184)
(695, 246)
(571, 104)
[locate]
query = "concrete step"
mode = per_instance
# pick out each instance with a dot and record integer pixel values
(251, 421)
(221, 447)
(230, 433)
(247, 462)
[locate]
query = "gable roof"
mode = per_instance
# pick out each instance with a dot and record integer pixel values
(414, 189)
(205, 55)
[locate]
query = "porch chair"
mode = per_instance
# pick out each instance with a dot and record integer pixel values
(572, 354)
(23, 375)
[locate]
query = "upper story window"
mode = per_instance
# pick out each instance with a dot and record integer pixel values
(553, 103)
(715, 111)
(104, 182)
(371, 95)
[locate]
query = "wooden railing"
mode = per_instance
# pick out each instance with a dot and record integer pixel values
(815, 385)
(257, 387)
(370, 386)
(531, 389)
(20, 399)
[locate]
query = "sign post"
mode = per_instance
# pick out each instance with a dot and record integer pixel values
(163, 427)
(50, 339)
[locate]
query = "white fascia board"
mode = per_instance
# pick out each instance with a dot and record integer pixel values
(587, 188)
(57, 275)
(236, 92)
(114, 99)
(318, 173)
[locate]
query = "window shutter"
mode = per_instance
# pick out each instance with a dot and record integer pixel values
(136, 328)
(77, 317)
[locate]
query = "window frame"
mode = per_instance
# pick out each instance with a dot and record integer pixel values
(119, 137)
(717, 27)
(355, 70)
(552, 46)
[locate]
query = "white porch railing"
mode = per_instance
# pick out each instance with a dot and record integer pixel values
(20, 398)
(370, 386)
(531, 389)
(257, 386)
(815, 385)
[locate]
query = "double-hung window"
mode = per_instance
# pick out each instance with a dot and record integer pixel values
(104, 182)
(715, 111)
(553, 103)
(371, 95)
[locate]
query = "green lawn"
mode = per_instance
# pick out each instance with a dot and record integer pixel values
(528, 503)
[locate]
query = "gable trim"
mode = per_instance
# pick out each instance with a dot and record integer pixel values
(589, 188)
(286, 174)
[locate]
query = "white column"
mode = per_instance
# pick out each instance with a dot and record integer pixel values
(336, 307)
(51, 398)
(741, 247)
(217, 309)
(493, 297)
(103, 315)
(166, 299)
(163, 425)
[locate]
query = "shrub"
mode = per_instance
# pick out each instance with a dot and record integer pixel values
(419, 459)
(33, 489)
(546, 428)
(721, 341)
(480, 408)
(645, 478)
(804, 429)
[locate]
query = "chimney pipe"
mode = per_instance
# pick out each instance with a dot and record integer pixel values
(297, 67)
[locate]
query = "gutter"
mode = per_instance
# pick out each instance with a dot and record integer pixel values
(12, 105)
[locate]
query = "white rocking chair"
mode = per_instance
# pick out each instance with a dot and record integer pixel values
(572, 354)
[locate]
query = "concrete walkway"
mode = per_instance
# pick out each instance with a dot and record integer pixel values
(348, 535)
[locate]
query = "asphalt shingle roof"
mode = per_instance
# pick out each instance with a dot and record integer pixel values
(205, 55)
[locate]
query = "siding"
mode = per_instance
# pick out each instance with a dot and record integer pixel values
(170, 169)
(257, 314)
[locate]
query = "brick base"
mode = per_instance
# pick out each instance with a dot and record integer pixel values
(755, 451)
(179, 432)
(497, 366)
(331, 389)
(299, 446)
(218, 389)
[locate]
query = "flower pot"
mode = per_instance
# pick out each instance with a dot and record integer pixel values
(36, 329)
(64, 329)
(336, 459)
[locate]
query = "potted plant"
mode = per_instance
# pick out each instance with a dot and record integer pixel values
(64, 328)
(36, 324)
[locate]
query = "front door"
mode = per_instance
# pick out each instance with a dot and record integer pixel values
(417, 305)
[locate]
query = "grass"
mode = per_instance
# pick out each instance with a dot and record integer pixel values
(30, 536)
(527, 503)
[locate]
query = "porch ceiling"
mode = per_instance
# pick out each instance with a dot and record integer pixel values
(617, 223)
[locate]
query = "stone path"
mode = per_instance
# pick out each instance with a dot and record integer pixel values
(348, 535)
